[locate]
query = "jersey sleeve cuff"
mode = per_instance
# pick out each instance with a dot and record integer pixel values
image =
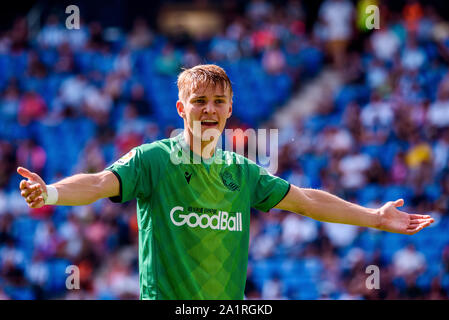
(286, 192)
(117, 199)
(273, 201)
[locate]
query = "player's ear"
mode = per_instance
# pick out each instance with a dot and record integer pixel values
(180, 108)
(230, 111)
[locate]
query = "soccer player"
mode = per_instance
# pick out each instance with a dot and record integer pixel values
(194, 199)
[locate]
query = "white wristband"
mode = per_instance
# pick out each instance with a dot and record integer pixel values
(52, 195)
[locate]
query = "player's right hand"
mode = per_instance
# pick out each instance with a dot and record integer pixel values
(33, 190)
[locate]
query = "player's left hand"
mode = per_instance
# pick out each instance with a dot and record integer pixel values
(394, 220)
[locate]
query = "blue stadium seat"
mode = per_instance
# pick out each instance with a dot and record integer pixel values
(394, 192)
(369, 193)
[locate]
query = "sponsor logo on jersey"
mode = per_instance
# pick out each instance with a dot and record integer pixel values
(228, 181)
(126, 157)
(221, 221)
(188, 175)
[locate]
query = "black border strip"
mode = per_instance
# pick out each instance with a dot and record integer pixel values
(117, 199)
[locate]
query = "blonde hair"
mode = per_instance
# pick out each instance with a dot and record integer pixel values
(202, 75)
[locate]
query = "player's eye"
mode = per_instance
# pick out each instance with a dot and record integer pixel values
(220, 101)
(199, 101)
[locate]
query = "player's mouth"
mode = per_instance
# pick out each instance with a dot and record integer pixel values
(209, 123)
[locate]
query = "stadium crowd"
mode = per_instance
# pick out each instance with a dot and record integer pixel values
(76, 100)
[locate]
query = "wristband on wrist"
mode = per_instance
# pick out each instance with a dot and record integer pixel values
(52, 195)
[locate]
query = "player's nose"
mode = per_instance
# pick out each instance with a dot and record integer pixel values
(209, 108)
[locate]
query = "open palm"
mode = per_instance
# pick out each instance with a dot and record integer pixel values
(394, 220)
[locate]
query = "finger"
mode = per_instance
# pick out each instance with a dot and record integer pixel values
(414, 230)
(414, 226)
(26, 192)
(25, 172)
(37, 203)
(24, 184)
(419, 221)
(399, 203)
(34, 195)
(418, 227)
(419, 216)
(30, 175)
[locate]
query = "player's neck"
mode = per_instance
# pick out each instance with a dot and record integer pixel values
(204, 148)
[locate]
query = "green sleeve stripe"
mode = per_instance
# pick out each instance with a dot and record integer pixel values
(116, 199)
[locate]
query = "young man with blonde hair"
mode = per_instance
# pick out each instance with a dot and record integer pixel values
(194, 217)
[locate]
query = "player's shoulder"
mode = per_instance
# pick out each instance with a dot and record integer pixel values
(155, 146)
(158, 149)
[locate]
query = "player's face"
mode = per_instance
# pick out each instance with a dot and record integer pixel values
(206, 110)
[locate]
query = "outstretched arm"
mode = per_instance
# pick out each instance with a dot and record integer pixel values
(323, 206)
(77, 190)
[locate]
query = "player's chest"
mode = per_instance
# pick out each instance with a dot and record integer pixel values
(214, 181)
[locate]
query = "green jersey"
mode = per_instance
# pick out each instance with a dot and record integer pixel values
(193, 217)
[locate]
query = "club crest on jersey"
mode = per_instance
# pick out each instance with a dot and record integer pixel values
(126, 157)
(228, 181)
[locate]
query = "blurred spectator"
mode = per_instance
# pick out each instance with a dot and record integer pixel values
(10, 255)
(272, 289)
(412, 13)
(97, 104)
(72, 91)
(420, 152)
(413, 57)
(140, 36)
(123, 64)
(91, 158)
(353, 169)
(297, 229)
(441, 151)
(399, 169)
(168, 63)
(377, 118)
(53, 33)
(9, 103)
(66, 61)
(273, 60)
(131, 123)
(38, 271)
(258, 10)
(31, 107)
(385, 44)
(48, 242)
(408, 261)
(19, 35)
(338, 18)
(437, 292)
(438, 114)
(8, 161)
(138, 99)
(31, 155)
(224, 49)
(341, 235)
(70, 231)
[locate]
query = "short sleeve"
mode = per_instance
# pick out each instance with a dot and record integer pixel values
(267, 190)
(133, 172)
